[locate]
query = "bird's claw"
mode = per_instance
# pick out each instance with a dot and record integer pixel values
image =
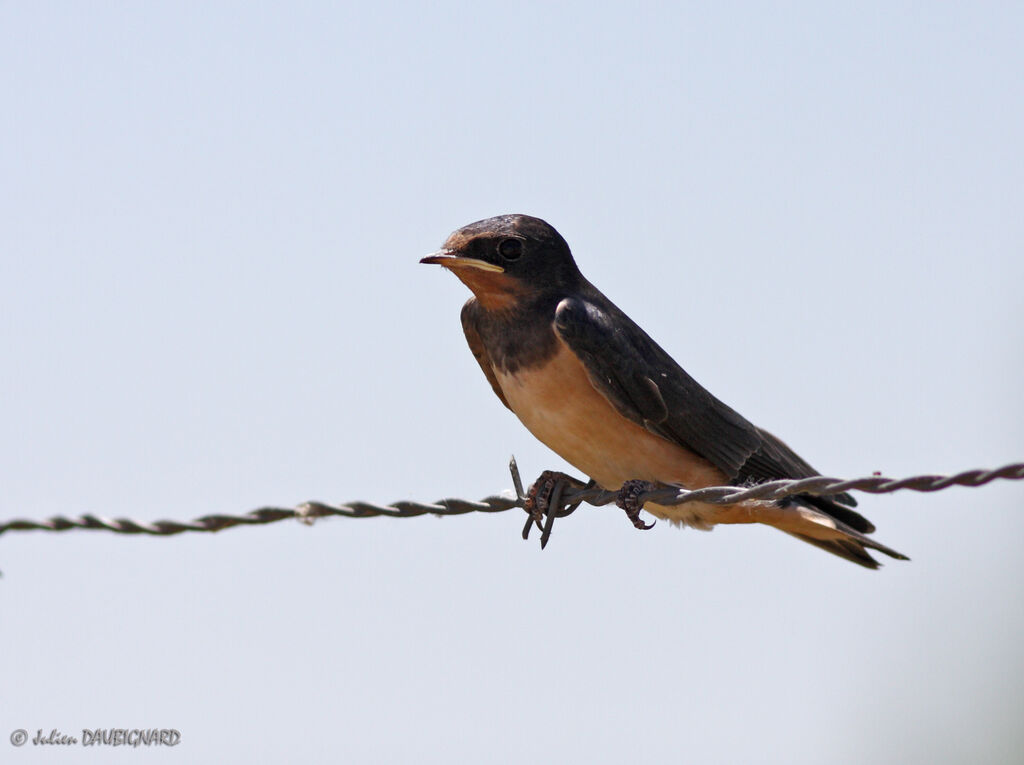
(544, 498)
(629, 500)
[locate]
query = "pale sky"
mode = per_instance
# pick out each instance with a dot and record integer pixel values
(210, 222)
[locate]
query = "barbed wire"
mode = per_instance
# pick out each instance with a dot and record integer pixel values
(568, 501)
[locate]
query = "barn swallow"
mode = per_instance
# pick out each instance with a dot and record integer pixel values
(591, 385)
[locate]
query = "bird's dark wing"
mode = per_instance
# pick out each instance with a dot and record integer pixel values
(476, 345)
(648, 387)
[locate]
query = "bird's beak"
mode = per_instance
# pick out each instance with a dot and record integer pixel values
(451, 259)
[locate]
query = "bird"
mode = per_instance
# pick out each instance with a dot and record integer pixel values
(590, 384)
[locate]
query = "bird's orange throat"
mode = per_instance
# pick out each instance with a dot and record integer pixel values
(494, 291)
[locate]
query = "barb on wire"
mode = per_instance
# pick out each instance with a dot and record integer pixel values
(718, 495)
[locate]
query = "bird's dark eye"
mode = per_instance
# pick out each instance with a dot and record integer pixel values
(510, 249)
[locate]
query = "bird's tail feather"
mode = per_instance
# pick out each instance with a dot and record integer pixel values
(835, 536)
(848, 549)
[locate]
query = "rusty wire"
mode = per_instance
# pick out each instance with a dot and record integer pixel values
(717, 495)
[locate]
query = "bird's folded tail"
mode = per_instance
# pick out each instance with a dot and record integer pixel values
(815, 527)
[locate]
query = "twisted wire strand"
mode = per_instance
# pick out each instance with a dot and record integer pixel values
(716, 495)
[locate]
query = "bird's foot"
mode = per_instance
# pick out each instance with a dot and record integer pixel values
(629, 500)
(544, 498)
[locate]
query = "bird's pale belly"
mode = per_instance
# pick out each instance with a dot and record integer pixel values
(558, 404)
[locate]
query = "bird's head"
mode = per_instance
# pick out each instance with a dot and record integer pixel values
(506, 258)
